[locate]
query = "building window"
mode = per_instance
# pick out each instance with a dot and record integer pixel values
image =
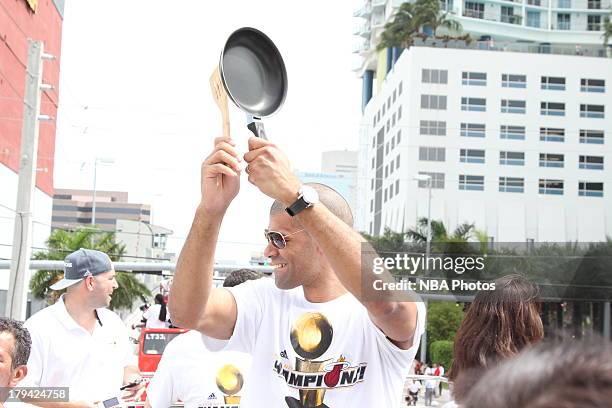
(564, 4)
(474, 10)
(552, 134)
(393, 120)
(399, 88)
(432, 128)
(373, 142)
(591, 111)
(432, 154)
(594, 22)
(588, 189)
(386, 194)
(386, 148)
(372, 162)
(391, 191)
(512, 158)
(473, 129)
(437, 180)
(399, 112)
(388, 125)
(468, 182)
(563, 19)
(434, 76)
(396, 186)
(591, 162)
(392, 166)
(471, 156)
(533, 18)
(397, 161)
(474, 78)
(394, 95)
(384, 108)
(551, 160)
(553, 83)
(552, 108)
(512, 132)
(511, 184)
(513, 106)
(592, 85)
(386, 171)
(372, 184)
(433, 102)
(591, 136)
(399, 136)
(473, 104)
(514, 81)
(553, 187)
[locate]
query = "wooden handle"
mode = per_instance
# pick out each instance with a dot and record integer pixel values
(220, 97)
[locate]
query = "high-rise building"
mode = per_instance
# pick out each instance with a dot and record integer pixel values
(74, 208)
(20, 21)
(513, 137)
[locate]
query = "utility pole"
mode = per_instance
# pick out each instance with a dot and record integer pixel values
(16, 300)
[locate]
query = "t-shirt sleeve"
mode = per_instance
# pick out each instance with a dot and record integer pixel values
(394, 356)
(160, 391)
(250, 299)
(150, 312)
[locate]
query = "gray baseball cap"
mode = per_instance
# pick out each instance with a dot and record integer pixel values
(80, 264)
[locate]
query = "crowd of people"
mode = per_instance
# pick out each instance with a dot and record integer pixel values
(311, 336)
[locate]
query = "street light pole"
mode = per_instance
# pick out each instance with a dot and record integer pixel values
(93, 204)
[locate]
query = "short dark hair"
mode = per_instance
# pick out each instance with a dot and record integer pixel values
(23, 342)
(240, 276)
(569, 373)
(330, 198)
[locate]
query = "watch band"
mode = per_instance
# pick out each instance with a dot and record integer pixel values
(298, 206)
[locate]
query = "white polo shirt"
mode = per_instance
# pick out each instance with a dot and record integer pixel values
(64, 354)
(188, 372)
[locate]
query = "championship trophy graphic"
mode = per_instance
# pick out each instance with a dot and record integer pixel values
(311, 336)
(230, 382)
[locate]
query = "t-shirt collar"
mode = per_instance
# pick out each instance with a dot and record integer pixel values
(64, 317)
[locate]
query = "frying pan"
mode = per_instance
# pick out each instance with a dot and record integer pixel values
(253, 74)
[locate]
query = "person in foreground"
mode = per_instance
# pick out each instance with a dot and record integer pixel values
(566, 373)
(191, 374)
(316, 338)
(15, 346)
(79, 343)
(498, 325)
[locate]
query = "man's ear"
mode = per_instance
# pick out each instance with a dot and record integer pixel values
(18, 374)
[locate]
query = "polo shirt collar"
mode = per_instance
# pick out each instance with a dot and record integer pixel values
(60, 311)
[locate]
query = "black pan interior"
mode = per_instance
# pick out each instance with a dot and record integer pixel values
(253, 72)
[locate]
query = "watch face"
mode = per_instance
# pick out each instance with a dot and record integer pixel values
(310, 195)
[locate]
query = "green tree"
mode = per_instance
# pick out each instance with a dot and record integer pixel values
(607, 31)
(443, 320)
(442, 353)
(410, 20)
(61, 242)
(462, 233)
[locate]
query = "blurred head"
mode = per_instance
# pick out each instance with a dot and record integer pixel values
(159, 299)
(497, 325)
(301, 261)
(569, 374)
(15, 346)
(240, 276)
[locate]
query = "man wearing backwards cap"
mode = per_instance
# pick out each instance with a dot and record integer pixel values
(79, 343)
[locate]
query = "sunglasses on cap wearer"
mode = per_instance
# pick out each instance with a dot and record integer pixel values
(277, 239)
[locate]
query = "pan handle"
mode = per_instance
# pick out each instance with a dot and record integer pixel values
(255, 125)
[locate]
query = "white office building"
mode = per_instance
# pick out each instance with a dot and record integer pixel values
(517, 143)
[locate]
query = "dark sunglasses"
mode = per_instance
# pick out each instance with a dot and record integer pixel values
(277, 239)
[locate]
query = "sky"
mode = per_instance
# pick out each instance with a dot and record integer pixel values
(134, 91)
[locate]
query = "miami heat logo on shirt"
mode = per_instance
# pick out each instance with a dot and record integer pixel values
(311, 336)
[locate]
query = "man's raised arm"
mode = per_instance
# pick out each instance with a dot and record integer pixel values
(194, 303)
(341, 245)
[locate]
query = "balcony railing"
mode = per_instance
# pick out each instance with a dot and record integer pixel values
(563, 25)
(594, 27)
(474, 14)
(564, 4)
(511, 19)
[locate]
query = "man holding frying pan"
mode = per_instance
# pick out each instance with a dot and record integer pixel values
(317, 338)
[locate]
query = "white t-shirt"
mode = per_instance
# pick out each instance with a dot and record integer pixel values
(152, 316)
(347, 362)
(188, 372)
(64, 354)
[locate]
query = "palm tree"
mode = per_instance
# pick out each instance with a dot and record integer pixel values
(61, 242)
(462, 233)
(607, 31)
(409, 21)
